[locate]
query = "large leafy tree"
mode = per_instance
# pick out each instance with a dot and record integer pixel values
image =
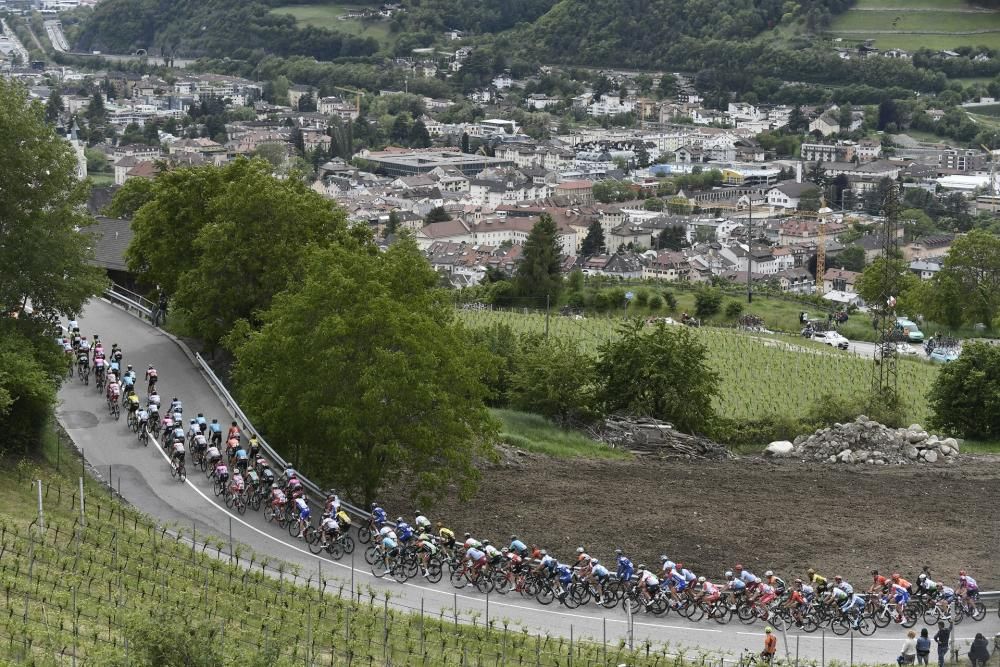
(539, 271)
(971, 271)
(886, 278)
(555, 378)
(362, 369)
(45, 269)
(593, 244)
(659, 372)
(225, 240)
(965, 398)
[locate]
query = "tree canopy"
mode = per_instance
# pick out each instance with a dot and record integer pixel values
(965, 398)
(539, 272)
(972, 270)
(393, 386)
(224, 240)
(659, 371)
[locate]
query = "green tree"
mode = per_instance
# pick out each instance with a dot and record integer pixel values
(672, 238)
(54, 106)
(465, 142)
(392, 225)
(707, 302)
(889, 277)
(734, 309)
(845, 116)
(593, 243)
(972, 268)
(437, 214)
(394, 385)
(97, 115)
(966, 394)
(851, 258)
(810, 200)
(419, 136)
(659, 372)
(45, 270)
(653, 204)
(555, 379)
(539, 269)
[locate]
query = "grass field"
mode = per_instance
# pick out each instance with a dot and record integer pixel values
(870, 19)
(759, 376)
(536, 434)
(327, 16)
(75, 596)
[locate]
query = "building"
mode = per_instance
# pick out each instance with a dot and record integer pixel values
(399, 162)
(840, 280)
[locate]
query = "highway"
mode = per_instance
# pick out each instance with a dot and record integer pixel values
(144, 478)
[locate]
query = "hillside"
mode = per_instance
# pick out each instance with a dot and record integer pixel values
(211, 28)
(914, 24)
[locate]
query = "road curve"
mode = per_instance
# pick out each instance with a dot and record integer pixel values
(144, 479)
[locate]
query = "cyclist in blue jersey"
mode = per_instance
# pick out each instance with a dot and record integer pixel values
(404, 530)
(378, 515)
(518, 547)
(625, 568)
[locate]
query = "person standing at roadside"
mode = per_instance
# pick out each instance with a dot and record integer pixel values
(942, 637)
(770, 646)
(908, 654)
(923, 647)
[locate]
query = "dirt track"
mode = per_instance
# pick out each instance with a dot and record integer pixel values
(783, 516)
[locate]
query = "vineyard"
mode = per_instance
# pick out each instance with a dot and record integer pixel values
(760, 376)
(92, 586)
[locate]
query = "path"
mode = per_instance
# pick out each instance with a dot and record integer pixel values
(144, 478)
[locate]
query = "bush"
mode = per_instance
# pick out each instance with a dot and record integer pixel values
(642, 297)
(707, 302)
(555, 379)
(655, 302)
(671, 300)
(734, 309)
(966, 394)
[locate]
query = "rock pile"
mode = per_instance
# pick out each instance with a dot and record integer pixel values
(644, 435)
(865, 441)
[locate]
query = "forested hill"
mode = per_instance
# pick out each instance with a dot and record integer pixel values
(216, 28)
(657, 33)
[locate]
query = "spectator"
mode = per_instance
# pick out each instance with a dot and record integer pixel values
(923, 647)
(770, 646)
(979, 652)
(942, 638)
(908, 655)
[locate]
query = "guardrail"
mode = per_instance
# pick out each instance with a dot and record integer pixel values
(130, 300)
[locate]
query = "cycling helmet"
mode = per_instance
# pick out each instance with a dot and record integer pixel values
(468, 535)
(701, 580)
(961, 573)
(769, 573)
(663, 558)
(194, 421)
(895, 575)
(594, 561)
(417, 513)
(579, 550)
(505, 550)
(768, 630)
(399, 519)
(642, 566)
(513, 538)
(874, 572)
(838, 578)
(544, 552)
(921, 576)
(129, 367)
(330, 496)
(150, 367)
(215, 421)
(374, 505)
(810, 572)
(486, 543)
(798, 581)
(175, 398)
(729, 574)
(440, 525)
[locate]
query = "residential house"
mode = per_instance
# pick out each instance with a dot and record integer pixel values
(928, 247)
(787, 194)
(577, 192)
(796, 281)
(926, 268)
(627, 234)
(668, 265)
(840, 280)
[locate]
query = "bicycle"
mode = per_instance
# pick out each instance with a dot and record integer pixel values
(144, 434)
(114, 409)
(84, 374)
(752, 658)
(178, 470)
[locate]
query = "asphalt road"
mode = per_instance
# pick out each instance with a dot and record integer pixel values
(144, 478)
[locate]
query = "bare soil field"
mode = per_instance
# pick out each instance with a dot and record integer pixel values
(784, 516)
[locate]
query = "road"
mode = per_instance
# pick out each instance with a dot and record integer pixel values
(22, 52)
(55, 32)
(144, 478)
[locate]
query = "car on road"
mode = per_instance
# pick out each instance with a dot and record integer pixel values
(909, 329)
(832, 338)
(944, 355)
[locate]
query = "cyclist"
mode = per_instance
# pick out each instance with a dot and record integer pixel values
(254, 446)
(177, 454)
(968, 589)
(133, 401)
(493, 555)
(287, 475)
(216, 428)
(404, 530)
(234, 432)
(477, 559)
(900, 590)
(178, 433)
(343, 520)
(798, 602)
(518, 547)
(192, 430)
(303, 507)
(115, 367)
(329, 529)
(266, 474)
(167, 424)
(625, 568)
(734, 584)
(151, 378)
(926, 586)
(128, 378)
(837, 596)
(176, 405)
(446, 535)
(332, 503)
(99, 367)
(83, 362)
(545, 562)
(153, 399)
(854, 603)
(564, 577)
(98, 346)
(709, 592)
(389, 546)
(294, 488)
(378, 516)
(598, 575)
(649, 585)
(880, 584)
(770, 645)
(843, 585)
(142, 415)
(749, 578)
(202, 422)
(278, 498)
(237, 484)
(421, 523)
(775, 581)
(471, 542)
(581, 556)
(666, 567)
(427, 549)
(85, 346)
(116, 353)
(114, 389)
(819, 582)
(766, 594)
(199, 445)
(946, 594)
(241, 457)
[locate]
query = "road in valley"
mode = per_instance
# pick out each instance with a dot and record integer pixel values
(144, 478)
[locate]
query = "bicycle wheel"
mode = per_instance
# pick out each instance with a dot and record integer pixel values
(810, 623)
(364, 534)
(910, 616)
(371, 553)
(881, 618)
(228, 498)
(457, 578)
(380, 568)
(778, 622)
(400, 573)
(840, 626)
(978, 611)
(746, 614)
(173, 470)
(545, 595)
(722, 613)
(294, 529)
(347, 543)
(335, 550)
(866, 626)
(434, 571)
(931, 615)
(241, 503)
(181, 473)
(255, 501)
(268, 512)
(695, 612)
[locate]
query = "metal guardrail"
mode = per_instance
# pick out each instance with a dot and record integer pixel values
(130, 300)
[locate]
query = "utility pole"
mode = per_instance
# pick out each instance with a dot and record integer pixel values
(749, 246)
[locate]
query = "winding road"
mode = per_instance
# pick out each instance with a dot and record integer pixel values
(144, 478)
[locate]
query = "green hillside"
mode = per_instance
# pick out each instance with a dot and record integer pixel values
(914, 24)
(328, 16)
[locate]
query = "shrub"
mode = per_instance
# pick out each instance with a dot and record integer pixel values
(655, 302)
(966, 394)
(642, 297)
(707, 302)
(671, 300)
(734, 309)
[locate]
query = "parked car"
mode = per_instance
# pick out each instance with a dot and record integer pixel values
(832, 338)
(910, 330)
(944, 355)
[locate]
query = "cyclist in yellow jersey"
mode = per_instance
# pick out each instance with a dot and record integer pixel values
(446, 535)
(818, 582)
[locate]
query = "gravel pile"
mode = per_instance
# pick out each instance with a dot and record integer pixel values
(865, 441)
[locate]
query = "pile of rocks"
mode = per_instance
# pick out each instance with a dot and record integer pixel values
(645, 435)
(866, 441)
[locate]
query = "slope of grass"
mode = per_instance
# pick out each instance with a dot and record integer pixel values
(534, 433)
(328, 16)
(759, 376)
(891, 25)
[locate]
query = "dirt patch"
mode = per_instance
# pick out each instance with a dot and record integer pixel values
(786, 516)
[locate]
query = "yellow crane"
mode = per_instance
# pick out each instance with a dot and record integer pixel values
(357, 99)
(821, 216)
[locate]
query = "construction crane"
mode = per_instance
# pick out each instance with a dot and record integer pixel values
(821, 216)
(994, 186)
(357, 99)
